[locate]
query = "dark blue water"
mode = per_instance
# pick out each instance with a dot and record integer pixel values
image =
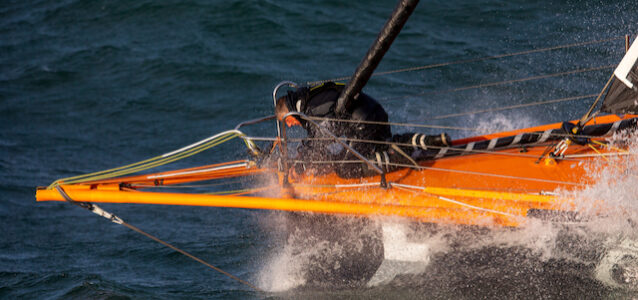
(89, 85)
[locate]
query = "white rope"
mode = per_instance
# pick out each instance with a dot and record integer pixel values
(451, 200)
(444, 170)
(490, 174)
(599, 155)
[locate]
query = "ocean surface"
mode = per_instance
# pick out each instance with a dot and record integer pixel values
(91, 85)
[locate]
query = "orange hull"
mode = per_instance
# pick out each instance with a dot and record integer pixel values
(498, 188)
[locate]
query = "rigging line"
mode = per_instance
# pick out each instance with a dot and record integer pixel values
(255, 190)
(448, 170)
(229, 192)
(178, 186)
(429, 126)
(429, 146)
(585, 117)
(408, 187)
(490, 84)
(366, 186)
(351, 185)
(463, 150)
(152, 162)
(598, 152)
(540, 133)
(605, 158)
(610, 146)
(197, 259)
(514, 106)
(243, 164)
(163, 160)
(147, 161)
(260, 138)
(115, 219)
(393, 124)
(471, 60)
(599, 155)
(160, 162)
(206, 140)
(489, 174)
(494, 152)
(411, 145)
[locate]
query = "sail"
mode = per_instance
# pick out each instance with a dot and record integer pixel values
(622, 96)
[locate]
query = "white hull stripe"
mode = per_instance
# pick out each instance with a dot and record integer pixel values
(469, 147)
(545, 135)
(517, 139)
(492, 144)
(441, 153)
(614, 127)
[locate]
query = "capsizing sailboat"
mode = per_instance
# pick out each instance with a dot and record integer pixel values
(501, 179)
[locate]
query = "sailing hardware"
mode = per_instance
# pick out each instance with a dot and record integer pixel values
(573, 132)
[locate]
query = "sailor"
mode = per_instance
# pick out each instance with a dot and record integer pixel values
(366, 120)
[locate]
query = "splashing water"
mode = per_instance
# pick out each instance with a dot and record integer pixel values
(612, 196)
(540, 255)
(611, 203)
(500, 122)
(323, 251)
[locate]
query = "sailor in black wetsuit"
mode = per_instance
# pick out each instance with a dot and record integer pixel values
(320, 102)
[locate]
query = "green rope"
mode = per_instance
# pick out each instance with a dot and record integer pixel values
(155, 161)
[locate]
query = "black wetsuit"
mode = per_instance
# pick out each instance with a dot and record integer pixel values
(320, 102)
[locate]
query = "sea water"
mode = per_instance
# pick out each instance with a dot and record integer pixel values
(90, 85)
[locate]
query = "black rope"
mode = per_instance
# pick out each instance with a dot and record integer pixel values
(95, 209)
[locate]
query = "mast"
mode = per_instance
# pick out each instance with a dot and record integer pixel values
(376, 52)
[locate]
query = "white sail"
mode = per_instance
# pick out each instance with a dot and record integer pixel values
(622, 96)
(626, 65)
